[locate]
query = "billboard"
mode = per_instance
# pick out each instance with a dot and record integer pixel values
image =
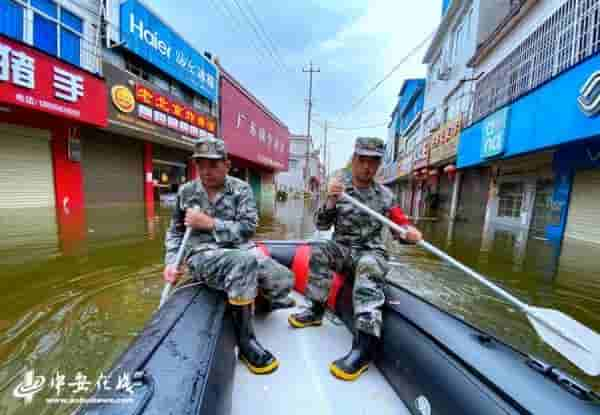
(142, 109)
(144, 33)
(34, 80)
(249, 131)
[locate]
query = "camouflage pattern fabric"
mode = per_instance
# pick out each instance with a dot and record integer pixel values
(240, 273)
(226, 258)
(369, 146)
(352, 226)
(369, 269)
(357, 248)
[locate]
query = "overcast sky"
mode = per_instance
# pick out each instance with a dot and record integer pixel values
(354, 43)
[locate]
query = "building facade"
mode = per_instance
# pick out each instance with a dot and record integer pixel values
(448, 107)
(157, 109)
(535, 123)
(403, 131)
(50, 86)
(257, 141)
(293, 180)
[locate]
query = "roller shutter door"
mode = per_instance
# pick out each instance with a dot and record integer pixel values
(583, 222)
(26, 176)
(474, 195)
(112, 169)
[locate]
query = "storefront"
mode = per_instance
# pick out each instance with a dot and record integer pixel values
(422, 183)
(442, 160)
(44, 103)
(147, 146)
(577, 186)
(542, 150)
(257, 141)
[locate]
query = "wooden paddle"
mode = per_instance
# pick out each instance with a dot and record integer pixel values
(576, 342)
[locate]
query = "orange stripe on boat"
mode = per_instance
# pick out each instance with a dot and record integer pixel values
(300, 267)
(336, 286)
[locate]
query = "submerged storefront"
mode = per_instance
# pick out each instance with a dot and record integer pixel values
(543, 153)
(145, 150)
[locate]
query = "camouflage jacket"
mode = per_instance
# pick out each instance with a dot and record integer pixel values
(234, 211)
(352, 226)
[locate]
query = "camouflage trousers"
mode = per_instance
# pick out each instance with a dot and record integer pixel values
(369, 268)
(241, 273)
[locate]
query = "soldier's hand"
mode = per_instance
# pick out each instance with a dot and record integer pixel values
(335, 188)
(413, 235)
(171, 273)
(199, 220)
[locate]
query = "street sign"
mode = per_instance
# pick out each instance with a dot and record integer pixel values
(494, 131)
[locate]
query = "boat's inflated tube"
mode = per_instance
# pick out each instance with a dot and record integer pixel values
(182, 363)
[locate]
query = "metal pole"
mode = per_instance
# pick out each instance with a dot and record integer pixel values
(310, 72)
(326, 156)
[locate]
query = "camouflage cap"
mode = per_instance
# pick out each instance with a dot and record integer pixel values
(369, 146)
(210, 148)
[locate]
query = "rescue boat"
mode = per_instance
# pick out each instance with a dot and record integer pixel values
(428, 361)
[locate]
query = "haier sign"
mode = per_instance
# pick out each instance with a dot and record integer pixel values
(146, 35)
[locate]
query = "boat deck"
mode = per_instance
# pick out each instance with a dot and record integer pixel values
(302, 384)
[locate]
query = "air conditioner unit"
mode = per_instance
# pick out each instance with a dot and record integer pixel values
(444, 72)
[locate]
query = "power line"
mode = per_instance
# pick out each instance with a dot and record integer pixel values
(261, 41)
(233, 21)
(274, 48)
(388, 75)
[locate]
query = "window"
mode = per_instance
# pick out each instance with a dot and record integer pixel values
(136, 70)
(293, 164)
(45, 25)
(510, 199)
(201, 103)
(11, 19)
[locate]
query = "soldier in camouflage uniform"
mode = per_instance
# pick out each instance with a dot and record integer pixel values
(356, 248)
(222, 212)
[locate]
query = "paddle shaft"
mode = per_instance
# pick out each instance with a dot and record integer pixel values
(440, 254)
(178, 259)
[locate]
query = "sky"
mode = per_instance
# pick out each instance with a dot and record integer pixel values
(354, 43)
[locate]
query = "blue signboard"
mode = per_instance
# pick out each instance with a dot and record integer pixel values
(493, 133)
(147, 36)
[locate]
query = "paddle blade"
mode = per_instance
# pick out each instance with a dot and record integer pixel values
(576, 342)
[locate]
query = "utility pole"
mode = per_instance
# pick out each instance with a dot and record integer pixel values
(311, 69)
(326, 155)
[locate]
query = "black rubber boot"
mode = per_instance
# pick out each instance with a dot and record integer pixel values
(262, 305)
(255, 357)
(351, 366)
(312, 316)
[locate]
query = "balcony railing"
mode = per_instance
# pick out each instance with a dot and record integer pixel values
(566, 38)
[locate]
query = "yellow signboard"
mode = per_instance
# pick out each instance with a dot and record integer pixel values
(444, 142)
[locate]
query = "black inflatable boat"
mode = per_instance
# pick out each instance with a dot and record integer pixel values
(429, 362)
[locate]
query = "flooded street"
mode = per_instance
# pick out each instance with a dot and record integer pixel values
(74, 304)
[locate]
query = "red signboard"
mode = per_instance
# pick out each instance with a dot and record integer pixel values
(161, 110)
(249, 131)
(32, 79)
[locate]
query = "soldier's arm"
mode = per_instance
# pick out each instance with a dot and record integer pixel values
(244, 226)
(175, 232)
